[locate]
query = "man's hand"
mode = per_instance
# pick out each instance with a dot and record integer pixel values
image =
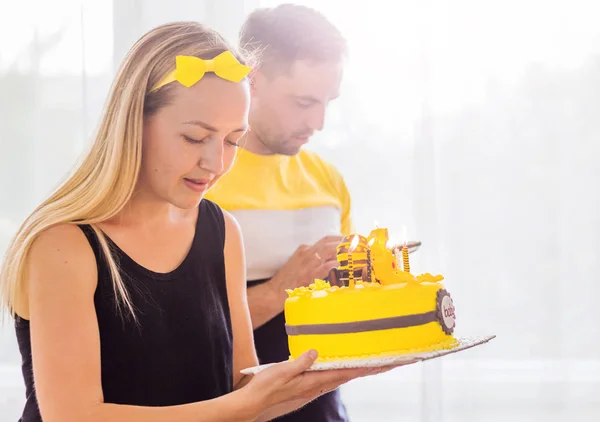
(307, 263)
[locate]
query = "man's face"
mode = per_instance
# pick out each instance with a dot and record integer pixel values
(289, 106)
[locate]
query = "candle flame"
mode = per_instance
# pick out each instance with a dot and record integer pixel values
(353, 244)
(404, 235)
(391, 242)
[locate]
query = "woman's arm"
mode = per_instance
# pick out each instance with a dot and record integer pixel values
(66, 344)
(244, 354)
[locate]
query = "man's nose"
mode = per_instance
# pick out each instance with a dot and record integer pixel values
(317, 118)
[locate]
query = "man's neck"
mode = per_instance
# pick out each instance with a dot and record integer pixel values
(253, 143)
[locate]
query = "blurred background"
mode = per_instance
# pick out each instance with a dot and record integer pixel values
(472, 122)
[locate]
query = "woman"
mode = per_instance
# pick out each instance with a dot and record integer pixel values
(128, 289)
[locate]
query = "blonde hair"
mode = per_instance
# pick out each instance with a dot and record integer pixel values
(104, 181)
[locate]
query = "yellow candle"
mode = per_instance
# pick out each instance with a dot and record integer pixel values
(405, 258)
(405, 250)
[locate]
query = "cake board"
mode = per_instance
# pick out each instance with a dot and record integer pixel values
(464, 343)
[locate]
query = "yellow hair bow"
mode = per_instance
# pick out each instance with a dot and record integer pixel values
(189, 69)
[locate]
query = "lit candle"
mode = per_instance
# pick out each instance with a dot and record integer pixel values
(405, 250)
(405, 258)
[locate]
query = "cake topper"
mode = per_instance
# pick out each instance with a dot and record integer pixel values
(353, 246)
(370, 259)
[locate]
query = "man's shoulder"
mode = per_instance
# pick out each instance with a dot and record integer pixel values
(312, 156)
(315, 162)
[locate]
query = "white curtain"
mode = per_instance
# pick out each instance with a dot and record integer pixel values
(473, 123)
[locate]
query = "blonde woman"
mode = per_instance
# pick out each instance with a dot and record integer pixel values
(127, 288)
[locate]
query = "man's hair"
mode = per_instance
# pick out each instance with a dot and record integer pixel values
(281, 35)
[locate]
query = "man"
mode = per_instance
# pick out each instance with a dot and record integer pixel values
(292, 206)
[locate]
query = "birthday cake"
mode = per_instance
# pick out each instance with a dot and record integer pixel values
(378, 309)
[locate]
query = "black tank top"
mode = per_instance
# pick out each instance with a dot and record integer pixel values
(180, 350)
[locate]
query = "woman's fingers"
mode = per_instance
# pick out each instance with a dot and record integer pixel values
(291, 369)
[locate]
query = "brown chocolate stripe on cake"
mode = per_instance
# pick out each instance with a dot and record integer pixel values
(404, 321)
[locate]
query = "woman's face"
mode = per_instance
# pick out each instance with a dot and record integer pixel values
(192, 141)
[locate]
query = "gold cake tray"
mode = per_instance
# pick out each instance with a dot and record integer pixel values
(464, 343)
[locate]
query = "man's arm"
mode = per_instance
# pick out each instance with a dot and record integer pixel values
(346, 223)
(265, 303)
(266, 300)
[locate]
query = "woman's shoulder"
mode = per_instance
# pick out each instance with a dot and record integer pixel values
(216, 210)
(66, 235)
(62, 248)
(219, 219)
(60, 259)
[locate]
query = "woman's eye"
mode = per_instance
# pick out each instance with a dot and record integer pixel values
(192, 140)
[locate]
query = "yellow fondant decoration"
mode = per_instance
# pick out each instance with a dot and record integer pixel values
(317, 285)
(383, 261)
(428, 278)
(189, 70)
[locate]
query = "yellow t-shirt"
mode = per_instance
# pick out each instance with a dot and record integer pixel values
(280, 203)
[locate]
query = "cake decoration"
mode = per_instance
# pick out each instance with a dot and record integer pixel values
(405, 258)
(370, 305)
(445, 311)
(316, 286)
(361, 326)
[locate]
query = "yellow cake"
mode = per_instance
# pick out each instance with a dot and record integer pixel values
(380, 310)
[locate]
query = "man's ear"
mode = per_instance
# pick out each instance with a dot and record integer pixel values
(252, 80)
(256, 78)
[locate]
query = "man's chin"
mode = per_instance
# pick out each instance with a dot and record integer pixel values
(293, 146)
(289, 151)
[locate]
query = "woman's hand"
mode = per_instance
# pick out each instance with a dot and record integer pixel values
(286, 386)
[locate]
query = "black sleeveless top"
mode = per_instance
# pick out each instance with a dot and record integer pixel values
(180, 350)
